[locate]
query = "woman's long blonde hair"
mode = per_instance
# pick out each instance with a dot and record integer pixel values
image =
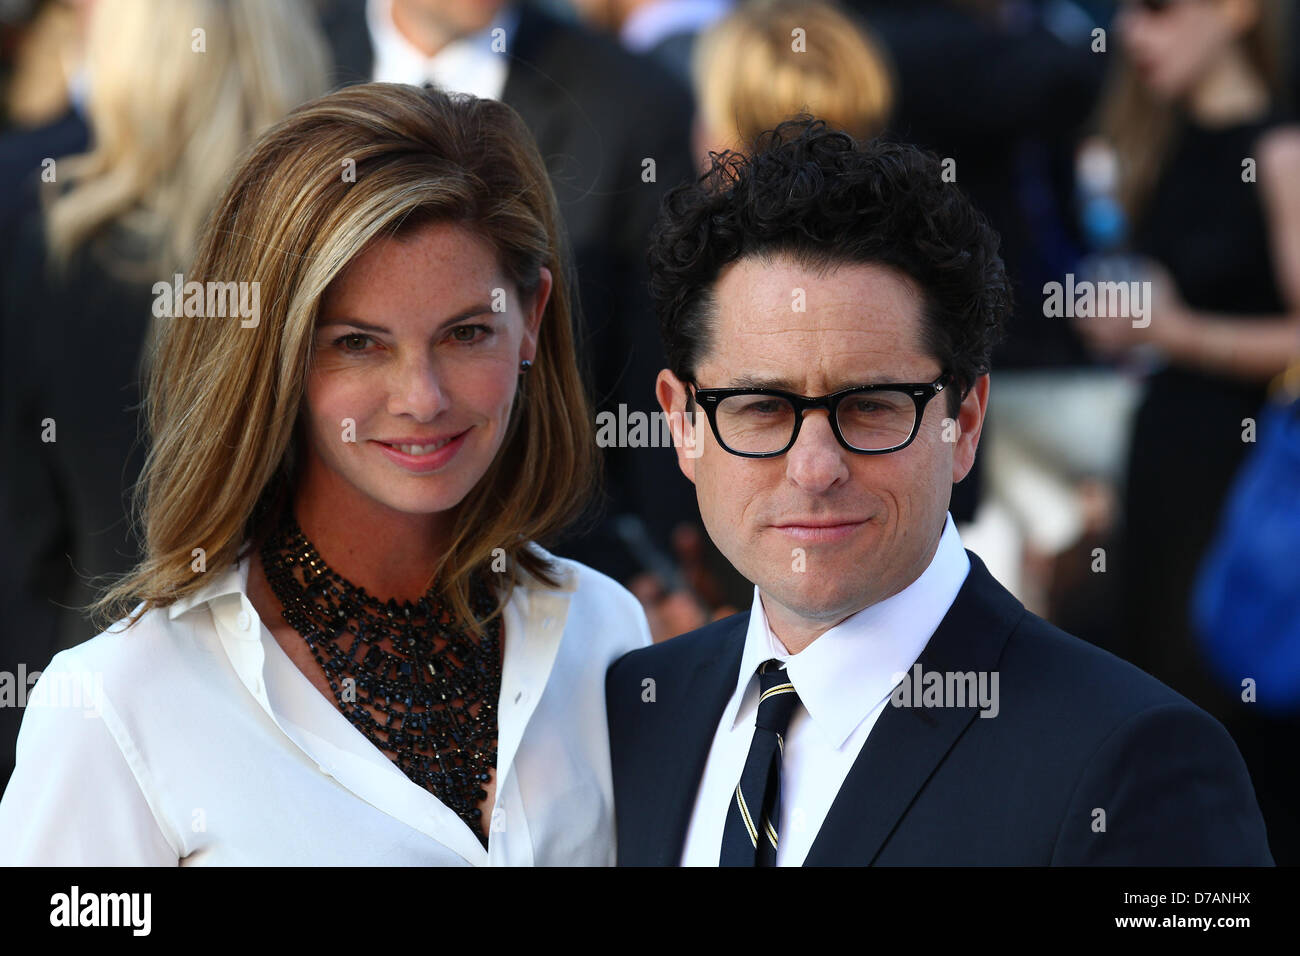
(1142, 128)
(223, 400)
(177, 91)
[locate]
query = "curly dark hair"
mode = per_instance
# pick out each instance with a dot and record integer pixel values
(812, 192)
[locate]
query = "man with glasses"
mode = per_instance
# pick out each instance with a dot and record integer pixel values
(828, 309)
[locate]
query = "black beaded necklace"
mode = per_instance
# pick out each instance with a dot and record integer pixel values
(425, 686)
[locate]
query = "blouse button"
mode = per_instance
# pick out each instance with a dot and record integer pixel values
(245, 620)
(548, 623)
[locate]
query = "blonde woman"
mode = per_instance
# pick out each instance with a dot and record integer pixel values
(346, 645)
(176, 91)
(769, 60)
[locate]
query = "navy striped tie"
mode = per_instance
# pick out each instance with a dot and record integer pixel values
(749, 837)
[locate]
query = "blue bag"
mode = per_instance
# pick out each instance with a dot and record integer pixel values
(1247, 601)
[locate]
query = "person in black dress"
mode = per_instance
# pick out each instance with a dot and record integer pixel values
(1198, 95)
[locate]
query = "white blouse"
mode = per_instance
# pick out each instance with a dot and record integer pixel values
(192, 738)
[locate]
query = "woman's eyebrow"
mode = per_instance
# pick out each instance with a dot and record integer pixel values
(480, 309)
(353, 323)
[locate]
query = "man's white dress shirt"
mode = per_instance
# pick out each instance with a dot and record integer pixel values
(843, 679)
(192, 738)
(469, 64)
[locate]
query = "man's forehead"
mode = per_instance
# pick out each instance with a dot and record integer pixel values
(782, 267)
(782, 322)
(760, 295)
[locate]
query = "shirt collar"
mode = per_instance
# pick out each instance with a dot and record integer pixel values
(468, 64)
(234, 580)
(842, 675)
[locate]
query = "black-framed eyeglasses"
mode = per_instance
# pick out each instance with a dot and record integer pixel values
(866, 419)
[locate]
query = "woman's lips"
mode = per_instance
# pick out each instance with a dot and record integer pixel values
(428, 461)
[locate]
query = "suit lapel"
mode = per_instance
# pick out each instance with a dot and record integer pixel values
(685, 741)
(907, 744)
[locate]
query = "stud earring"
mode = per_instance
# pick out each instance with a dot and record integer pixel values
(525, 365)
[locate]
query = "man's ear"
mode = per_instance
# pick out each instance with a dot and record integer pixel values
(970, 421)
(671, 393)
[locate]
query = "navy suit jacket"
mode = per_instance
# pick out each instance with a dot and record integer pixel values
(1078, 731)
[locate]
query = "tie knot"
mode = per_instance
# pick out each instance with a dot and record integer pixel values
(776, 697)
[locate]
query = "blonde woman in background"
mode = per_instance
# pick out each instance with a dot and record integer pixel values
(177, 91)
(170, 110)
(769, 60)
(344, 645)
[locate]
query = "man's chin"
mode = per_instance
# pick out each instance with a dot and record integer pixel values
(823, 601)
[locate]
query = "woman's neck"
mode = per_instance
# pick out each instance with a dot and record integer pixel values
(1231, 92)
(390, 554)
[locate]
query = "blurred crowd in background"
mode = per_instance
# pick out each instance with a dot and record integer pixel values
(1101, 139)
